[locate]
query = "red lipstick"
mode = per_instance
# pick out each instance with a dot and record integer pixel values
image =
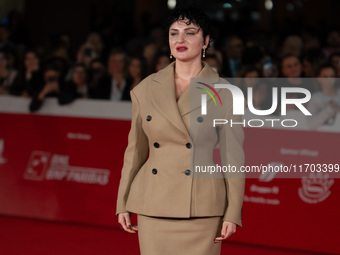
(181, 48)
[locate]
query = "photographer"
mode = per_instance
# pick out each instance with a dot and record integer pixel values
(325, 103)
(77, 87)
(86, 54)
(7, 75)
(30, 76)
(51, 88)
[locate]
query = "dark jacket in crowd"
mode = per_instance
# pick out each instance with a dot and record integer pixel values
(30, 86)
(105, 88)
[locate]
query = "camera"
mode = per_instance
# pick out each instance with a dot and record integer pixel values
(88, 52)
(51, 79)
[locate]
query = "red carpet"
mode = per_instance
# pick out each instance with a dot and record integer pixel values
(20, 236)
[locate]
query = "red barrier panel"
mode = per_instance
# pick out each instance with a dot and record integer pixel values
(299, 213)
(61, 168)
(67, 168)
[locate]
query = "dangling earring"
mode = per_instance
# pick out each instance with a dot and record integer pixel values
(170, 56)
(203, 53)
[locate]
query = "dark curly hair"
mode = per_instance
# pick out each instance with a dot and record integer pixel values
(195, 16)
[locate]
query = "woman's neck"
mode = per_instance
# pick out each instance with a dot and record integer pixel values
(329, 91)
(81, 85)
(295, 80)
(136, 79)
(3, 72)
(187, 70)
(118, 76)
(32, 70)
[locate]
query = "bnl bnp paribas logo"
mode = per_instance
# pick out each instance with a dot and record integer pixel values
(239, 105)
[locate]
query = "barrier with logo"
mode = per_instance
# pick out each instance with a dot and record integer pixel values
(64, 164)
(56, 165)
(291, 212)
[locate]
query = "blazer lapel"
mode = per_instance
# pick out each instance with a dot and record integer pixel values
(191, 97)
(164, 98)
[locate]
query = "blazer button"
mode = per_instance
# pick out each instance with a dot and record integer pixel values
(148, 118)
(200, 119)
(154, 171)
(156, 145)
(187, 172)
(188, 145)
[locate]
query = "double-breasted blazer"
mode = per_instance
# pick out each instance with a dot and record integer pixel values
(163, 148)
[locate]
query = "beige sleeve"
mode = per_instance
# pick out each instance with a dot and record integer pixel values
(232, 153)
(135, 155)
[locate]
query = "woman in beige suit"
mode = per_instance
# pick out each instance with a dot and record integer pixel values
(177, 213)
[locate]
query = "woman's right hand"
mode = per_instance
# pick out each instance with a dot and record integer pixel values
(124, 220)
(48, 88)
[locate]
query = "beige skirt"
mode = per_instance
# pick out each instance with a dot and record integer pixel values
(179, 236)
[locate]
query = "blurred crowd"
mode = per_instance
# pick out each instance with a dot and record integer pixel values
(102, 70)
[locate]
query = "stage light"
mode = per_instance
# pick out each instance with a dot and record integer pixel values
(227, 6)
(172, 4)
(268, 4)
(255, 16)
(290, 7)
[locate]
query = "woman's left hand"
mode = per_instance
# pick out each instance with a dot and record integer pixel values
(228, 228)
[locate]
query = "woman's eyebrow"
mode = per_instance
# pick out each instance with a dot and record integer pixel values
(188, 28)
